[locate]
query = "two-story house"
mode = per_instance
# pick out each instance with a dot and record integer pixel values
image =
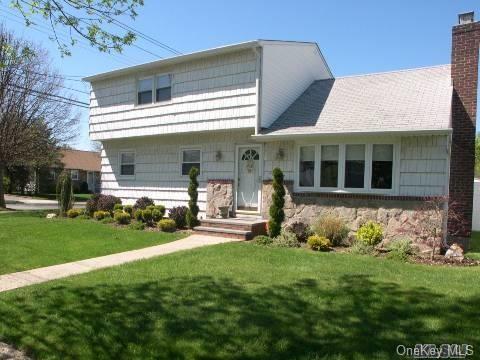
(369, 146)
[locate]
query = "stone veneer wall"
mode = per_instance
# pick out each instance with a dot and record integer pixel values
(395, 213)
(219, 193)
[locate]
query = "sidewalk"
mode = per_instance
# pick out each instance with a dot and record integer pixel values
(35, 276)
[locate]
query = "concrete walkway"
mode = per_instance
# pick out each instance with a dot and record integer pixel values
(35, 276)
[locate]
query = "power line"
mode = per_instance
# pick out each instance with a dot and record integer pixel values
(53, 96)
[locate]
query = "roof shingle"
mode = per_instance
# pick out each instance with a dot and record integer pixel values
(407, 100)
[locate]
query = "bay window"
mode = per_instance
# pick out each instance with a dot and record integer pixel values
(346, 167)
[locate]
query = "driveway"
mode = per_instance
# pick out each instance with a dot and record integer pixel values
(16, 202)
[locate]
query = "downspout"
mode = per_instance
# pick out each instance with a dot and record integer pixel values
(258, 85)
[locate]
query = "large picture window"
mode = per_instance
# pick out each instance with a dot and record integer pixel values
(307, 166)
(191, 158)
(343, 167)
(382, 166)
(329, 166)
(127, 163)
(354, 166)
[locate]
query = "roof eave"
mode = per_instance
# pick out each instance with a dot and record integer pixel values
(293, 136)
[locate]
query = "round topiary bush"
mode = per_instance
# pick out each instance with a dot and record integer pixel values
(167, 225)
(100, 215)
(128, 209)
(262, 240)
(318, 243)
(122, 218)
(73, 213)
(370, 233)
(139, 215)
(147, 216)
(143, 202)
(118, 207)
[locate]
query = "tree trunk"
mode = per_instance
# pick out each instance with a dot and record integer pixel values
(2, 190)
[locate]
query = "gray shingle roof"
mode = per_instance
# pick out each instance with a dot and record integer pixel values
(407, 100)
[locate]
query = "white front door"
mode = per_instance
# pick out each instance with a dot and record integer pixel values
(249, 179)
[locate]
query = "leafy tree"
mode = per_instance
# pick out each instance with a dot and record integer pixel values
(93, 20)
(65, 196)
(192, 212)
(277, 215)
(35, 115)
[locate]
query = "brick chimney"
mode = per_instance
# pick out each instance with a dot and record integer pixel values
(465, 46)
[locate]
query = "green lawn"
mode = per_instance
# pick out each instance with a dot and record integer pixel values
(474, 251)
(28, 240)
(241, 301)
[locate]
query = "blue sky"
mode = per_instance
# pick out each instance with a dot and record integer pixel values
(355, 36)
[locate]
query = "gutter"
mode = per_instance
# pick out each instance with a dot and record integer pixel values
(293, 136)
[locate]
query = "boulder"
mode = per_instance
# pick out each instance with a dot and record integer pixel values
(454, 252)
(51, 216)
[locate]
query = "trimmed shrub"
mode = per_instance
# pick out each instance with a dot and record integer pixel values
(100, 215)
(178, 215)
(262, 240)
(370, 233)
(73, 213)
(136, 226)
(107, 202)
(301, 230)
(167, 225)
(139, 215)
(192, 213)
(332, 227)
(286, 239)
(65, 196)
(107, 220)
(318, 243)
(91, 205)
(161, 209)
(156, 215)
(360, 248)
(117, 207)
(122, 218)
(147, 217)
(400, 249)
(128, 209)
(277, 215)
(143, 202)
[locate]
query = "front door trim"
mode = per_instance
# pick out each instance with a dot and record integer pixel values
(259, 147)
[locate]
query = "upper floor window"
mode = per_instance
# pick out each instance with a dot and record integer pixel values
(163, 87)
(127, 163)
(191, 158)
(144, 91)
(74, 174)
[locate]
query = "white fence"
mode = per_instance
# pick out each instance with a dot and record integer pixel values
(476, 205)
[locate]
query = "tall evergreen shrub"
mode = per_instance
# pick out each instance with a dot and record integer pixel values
(277, 215)
(64, 193)
(192, 212)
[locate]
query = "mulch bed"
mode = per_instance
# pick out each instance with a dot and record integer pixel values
(442, 260)
(8, 352)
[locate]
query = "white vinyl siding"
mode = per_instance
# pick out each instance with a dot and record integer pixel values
(288, 69)
(158, 165)
(215, 93)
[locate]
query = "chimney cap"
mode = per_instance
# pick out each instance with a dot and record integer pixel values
(466, 18)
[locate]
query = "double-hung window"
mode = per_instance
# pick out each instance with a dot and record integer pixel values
(144, 91)
(127, 163)
(191, 158)
(163, 88)
(74, 174)
(349, 167)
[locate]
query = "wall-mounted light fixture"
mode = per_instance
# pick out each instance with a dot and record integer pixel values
(280, 154)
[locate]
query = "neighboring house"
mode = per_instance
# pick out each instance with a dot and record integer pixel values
(83, 166)
(372, 146)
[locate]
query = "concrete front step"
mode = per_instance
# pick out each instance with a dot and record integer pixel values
(223, 232)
